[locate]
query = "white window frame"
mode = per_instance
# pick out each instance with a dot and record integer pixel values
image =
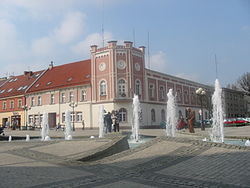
(151, 90)
(63, 98)
(121, 87)
(123, 115)
(12, 104)
(103, 88)
(78, 116)
(39, 101)
(52, 98)
(83, 95)
(138, 87)
(71, 96)
(4, 105)
(32, 101)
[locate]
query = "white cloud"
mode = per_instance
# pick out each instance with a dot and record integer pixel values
(83, 47)
(42, 46)
(71, 27)
(158, 62)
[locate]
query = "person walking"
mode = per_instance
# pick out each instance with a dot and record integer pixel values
(191, 119)
(109, 122)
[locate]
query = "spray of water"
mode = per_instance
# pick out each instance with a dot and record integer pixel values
(45, 128)
(68, 127)
(171, 114)
(136, 123)
(217, 132)
(101, 122)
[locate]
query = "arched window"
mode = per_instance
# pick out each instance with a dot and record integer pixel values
(151, 90)
(163, 115)
(122, 87)
(138, 87)
(122, 115)
(153, 115)
(103, 88)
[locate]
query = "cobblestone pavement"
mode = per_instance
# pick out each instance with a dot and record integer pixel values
(184, 161)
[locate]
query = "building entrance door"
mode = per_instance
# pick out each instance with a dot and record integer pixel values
(5, 124)
(52, 120)
(16, 121)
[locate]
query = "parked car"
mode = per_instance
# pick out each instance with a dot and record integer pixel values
(230, 122)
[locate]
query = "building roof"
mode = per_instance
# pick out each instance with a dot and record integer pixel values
(18, 85)
(66, 75)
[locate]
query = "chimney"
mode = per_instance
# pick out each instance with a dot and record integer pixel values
(128, 44)
(112, 44)
(28, 73)
(93, 48)
(51, 65)
(142, 48)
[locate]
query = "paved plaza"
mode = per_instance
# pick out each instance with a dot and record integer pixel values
(183, 161)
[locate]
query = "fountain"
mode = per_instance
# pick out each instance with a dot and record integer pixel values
(101, 122)
(68, 127)
(247, 143)
(10, 138)
(217, 132)
(45, 128)
(27, 138)
(136, 123)
(171, 114)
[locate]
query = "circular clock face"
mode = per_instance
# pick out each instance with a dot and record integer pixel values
(121, 64)
(102, 66)
(137, 67)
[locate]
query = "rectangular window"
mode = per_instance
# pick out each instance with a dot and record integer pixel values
(151, 91)
(71, 96)
(31, 119)
(52, 99)
(32, 101)
(20, 103)
(72, 116)
(78, 116)
(83, 95)
(4, 105)
(63, 98)
(39, 101)
(11, 104)
(63, 117)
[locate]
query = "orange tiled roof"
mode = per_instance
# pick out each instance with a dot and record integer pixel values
(64, 76)
(17, 85)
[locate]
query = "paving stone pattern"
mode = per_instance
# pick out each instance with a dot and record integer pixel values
(162, 162)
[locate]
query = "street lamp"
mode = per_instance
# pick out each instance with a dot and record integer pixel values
(26, 108)
(72, 104)
(201, 93)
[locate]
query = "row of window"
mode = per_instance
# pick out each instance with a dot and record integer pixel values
(12, 104)
(121, 87)
(37, 118)
(63, 98)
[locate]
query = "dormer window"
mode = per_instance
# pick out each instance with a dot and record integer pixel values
(10, 90)
(49, 83)
(24, 87)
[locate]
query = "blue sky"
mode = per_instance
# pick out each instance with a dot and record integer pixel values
(184, 35)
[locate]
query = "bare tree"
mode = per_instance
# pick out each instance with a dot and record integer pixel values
(244, 83)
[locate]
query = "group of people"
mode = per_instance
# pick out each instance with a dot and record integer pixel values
(111, 121)
(189, 123)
